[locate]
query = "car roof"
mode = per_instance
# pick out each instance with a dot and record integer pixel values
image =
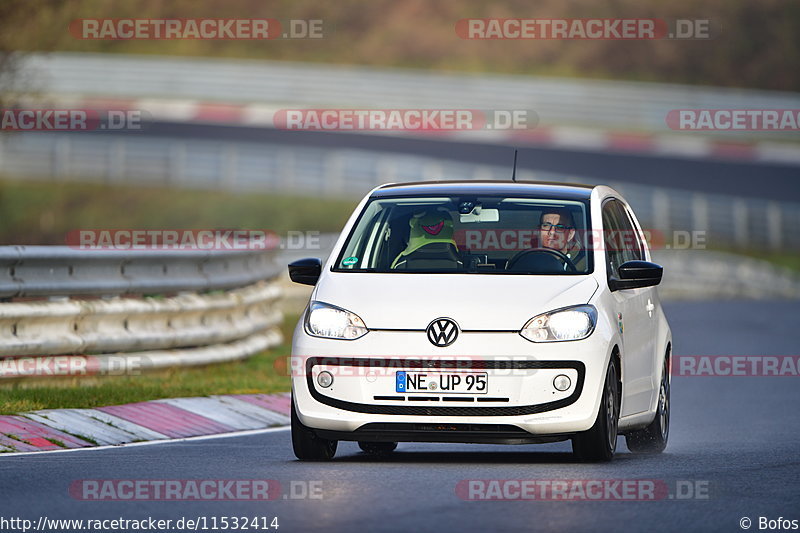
(562, 191)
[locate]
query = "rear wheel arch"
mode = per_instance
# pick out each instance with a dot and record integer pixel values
(616, 355)
(668, 359)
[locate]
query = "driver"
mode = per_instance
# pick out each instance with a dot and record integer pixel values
(557, 232)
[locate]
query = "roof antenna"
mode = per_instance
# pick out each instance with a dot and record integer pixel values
(514, 171)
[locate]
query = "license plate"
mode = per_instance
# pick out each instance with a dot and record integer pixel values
(442, 382)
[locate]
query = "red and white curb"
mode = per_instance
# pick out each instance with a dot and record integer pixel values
(681, 144)
(176, 418)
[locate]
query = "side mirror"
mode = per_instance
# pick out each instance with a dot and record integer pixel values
(636, 274)
(305, 271)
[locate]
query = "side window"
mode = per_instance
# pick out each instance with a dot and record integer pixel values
(629, 238)
(636, 238)
(362, 249)
(611, 230)
(622, 241)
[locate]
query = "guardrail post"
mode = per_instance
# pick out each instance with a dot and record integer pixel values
(116, 161)
(774, 225)
(661, 210)
(387, 170)
(333, 175)
(62, 153)
(432, 170)
(177, 162)
(286, 166)
(229, 163)
(740, 233)
(699, 212)
(482, 173)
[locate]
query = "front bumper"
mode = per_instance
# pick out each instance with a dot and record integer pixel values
(520, 405)
(440, 432)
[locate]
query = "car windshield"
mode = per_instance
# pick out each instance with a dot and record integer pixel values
(473, 235)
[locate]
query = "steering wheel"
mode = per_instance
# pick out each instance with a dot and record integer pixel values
(555, 253)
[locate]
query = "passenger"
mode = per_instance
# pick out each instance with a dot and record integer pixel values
(430, 243)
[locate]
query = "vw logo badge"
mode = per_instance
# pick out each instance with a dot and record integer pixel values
(442, 332)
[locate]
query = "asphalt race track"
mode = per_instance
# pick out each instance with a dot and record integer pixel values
(733, 439)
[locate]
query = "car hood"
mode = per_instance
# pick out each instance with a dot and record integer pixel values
(474, 301)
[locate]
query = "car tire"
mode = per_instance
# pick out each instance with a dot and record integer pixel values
(377, 448)
(653, 438)
(599, 443)
(307, 445)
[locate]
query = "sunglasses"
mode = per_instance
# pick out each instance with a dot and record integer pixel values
(546, 226)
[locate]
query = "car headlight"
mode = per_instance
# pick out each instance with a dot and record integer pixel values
(330, 322)
(567, 324)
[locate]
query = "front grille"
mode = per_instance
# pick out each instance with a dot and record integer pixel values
(441, 410)
(442, 398)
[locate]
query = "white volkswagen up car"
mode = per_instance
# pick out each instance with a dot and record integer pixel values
(483, 312)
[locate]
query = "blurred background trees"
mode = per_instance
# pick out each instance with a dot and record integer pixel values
(751, 45)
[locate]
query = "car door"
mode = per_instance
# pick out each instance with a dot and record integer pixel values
(633, 314)
(649, 298)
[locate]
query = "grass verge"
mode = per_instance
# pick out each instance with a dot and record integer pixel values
(43, 212)
(263, 373)
(787, 258)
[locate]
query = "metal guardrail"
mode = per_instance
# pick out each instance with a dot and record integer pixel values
(250, 166)
(710, 275)
(261, 167)
(127, 324)
(607, 105)
(64, 271)
(202, 308)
